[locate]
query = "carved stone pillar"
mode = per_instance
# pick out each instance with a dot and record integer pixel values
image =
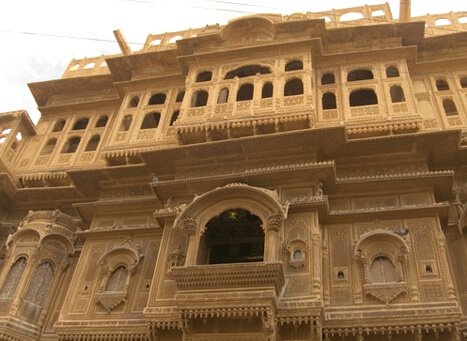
(190, 226)
(326, 280)
(271, 247)
(316, 259)
(443, 257)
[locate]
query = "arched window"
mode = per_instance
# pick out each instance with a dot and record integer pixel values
(442, 84)
(59, 126)
(382, 271)
(234, 236)
(39, 284)
(126, 123)
(363, 97)
(71, 145)
(359, 74)
(93, 143)
(151, 120)
(294, 65)
(392, 71)
(49, 147)
(293, 87)
(247, 71)
(245, 92)
(180, 96)
(463, 82)
(117, 279)
(81, 124)
(450, 107)
(397, 94)
(174, 117)
(158, 98)
(199, 99)
(329, 101)
(204, 76)
(267, 90)
(134, 101)
(102, 121)
(223, 96)
(13, 279)
(328, 78)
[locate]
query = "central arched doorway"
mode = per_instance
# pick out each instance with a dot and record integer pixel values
(234, 236)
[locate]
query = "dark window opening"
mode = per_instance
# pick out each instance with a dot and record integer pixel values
(363, 97)
(397, 94)
(428, 269)
(235, 236)
(392, 71)
(126, 123)
(267, 90)
(293, 87)
(180, 96)
(442, 85)
(151, 120)
(59, 125)
(199, 99)
(450, 107)
(174, 117)
(134, 101)
(294, 65)
(71, 145)
(329, 101)
(81, 124)
(102, 121)
(223, 96)
(49, 147)
(328, 78)
(93, 143)
(464, 82)
(204, 76)
(246, 71)
(117, 279)
(245, 92)
(340, 275)
(158, 98)
(358, 75)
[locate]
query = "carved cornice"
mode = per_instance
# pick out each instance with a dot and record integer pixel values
(390, 177)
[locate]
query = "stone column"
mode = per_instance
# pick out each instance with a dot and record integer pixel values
(444, 261)
(190, 226)
(316, 259)
(271, 236)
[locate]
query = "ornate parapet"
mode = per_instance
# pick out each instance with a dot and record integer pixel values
(222, 276)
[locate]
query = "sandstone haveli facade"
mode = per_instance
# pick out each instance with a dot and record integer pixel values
(299, 177)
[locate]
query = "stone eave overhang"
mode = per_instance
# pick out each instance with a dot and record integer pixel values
(119, 232)
(42, 91)
(92, 181)
(164, 162)
(452, 40)
(122, 67)
(124, 329)
(87, 210)
(38, 196)
(85, 105)
(151, 81)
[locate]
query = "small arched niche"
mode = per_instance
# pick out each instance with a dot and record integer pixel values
(234, 236)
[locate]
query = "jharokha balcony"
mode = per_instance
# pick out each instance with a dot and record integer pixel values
(248, 276)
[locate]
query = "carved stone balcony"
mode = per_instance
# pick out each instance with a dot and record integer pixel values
(229, 276)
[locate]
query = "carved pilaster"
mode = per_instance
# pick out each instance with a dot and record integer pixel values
(273, 226)
(274, 222)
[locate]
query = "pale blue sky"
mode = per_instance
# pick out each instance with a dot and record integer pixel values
(30, 58)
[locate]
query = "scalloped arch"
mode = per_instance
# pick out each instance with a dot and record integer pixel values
(379, 235)
(259, 201)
